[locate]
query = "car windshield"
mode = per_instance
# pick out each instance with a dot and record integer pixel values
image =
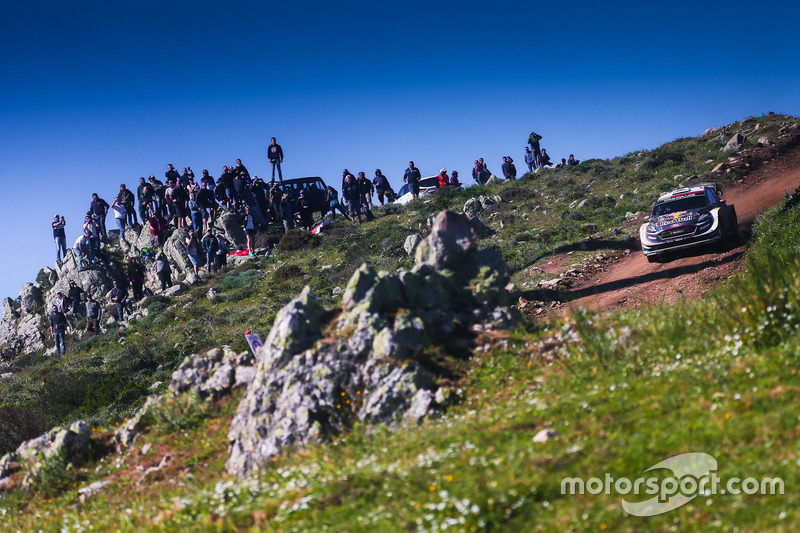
(682, 203)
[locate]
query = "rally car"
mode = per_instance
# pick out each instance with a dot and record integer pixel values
(691, 216)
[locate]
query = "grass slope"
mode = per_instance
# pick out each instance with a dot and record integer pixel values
(624, 391)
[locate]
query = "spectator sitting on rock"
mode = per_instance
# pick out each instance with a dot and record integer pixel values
(158, 225)
(454, 179)
(82, 248)
(572, 161)
(562, 164)
(75, 298)
(545, 159)
(120, 297)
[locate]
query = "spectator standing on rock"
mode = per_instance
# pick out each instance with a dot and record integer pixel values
(381, 184)
(287, 215)
(58, 328)
(208, 206)
(509, 170)
(120, 297)
(222, 252)
(230, 192)
(241, 170)
(144, 194)
(92, 315)
(210, 247)
(60, 237)
(366, 188)
(352, 194)
(171, 174)
(99, 208)
(186, 176)
(275, 157)
(533, 140)
(119, 216)
(159, 192)
(248, 223)
(305, 211)
(193, 250)
(412, 177)
(128, 200)
(208, 180)
(61, 302)
(529, 159)
(136, 277)
(163, 270)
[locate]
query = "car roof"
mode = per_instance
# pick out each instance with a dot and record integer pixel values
(687, 191)
(307, 179)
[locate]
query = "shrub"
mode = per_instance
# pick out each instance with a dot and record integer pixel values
(297, 240)
(237, 280)
(286, 272)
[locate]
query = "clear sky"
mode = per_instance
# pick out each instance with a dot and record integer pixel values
(95, 94)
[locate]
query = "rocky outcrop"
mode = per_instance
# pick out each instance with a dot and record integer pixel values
(735, 143)
(65, 445)
(318, 373)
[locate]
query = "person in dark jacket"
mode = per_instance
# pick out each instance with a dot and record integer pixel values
(508, 168)
(171, 174)
(92, 315)
(99, 207)
(381, 184)
(533, 140)
(60, 238)
(412, 177)
(207, 204)
(128, 201)
(163, 270)
(75, 295)
(306, 214)
(275, 157)
(210, 246)
(230, 192)
(352, 194)
(58, 328)
(286, 212)
(367, 189)
(120, 297)
(332, 198)
(136, 277)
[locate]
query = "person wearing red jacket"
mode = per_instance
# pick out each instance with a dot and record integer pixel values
(158, 225)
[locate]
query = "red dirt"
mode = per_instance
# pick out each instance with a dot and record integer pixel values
(630, 281)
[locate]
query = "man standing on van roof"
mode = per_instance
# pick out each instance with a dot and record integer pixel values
(275, 156)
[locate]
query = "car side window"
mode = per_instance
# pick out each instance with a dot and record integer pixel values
(712, 198)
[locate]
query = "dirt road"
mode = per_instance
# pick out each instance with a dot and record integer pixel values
(632, 281)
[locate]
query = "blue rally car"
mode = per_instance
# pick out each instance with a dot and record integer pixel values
(691, 216)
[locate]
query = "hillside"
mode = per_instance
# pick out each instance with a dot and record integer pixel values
(588, 362)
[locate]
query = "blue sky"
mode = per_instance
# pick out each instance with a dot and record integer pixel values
(95, 94)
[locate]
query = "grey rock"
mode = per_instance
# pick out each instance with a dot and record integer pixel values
(30, 298)
(411, 244)
(472, 207)
(765, 141)
(735, 143)
(711, 132)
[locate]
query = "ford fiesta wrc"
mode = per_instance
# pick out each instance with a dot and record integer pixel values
(688, 217)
